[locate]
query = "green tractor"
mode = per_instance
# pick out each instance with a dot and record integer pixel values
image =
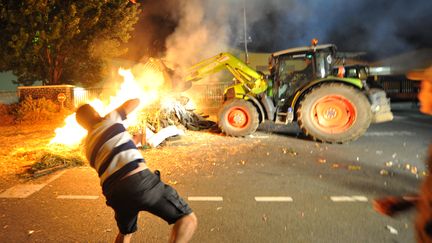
(302, 87)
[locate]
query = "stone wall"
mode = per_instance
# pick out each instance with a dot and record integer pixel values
(50, 92)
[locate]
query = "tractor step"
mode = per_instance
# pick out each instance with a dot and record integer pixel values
(284, 117)
(281, 118)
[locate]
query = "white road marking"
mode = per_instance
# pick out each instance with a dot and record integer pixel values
(208, 199)
(21, 190)
(55, 177)
(25, 190)
(86, 197)
(258, 136)
(349, 199)
(389, 134)
(273, 199)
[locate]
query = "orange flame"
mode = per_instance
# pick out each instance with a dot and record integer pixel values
(146, 86)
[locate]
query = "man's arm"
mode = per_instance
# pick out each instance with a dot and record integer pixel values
(130, 105)
(121, 112)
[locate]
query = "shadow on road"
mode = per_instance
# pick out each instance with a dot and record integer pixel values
(290, 130)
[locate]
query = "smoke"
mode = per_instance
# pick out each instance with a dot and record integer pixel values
(378, 27)
(188, 31)
(203, 30)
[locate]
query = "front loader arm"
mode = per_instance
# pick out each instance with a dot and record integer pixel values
(252, 80)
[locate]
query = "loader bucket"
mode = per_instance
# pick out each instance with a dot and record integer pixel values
(173, 82)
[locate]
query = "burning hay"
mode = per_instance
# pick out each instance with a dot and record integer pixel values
(158, 117)
(172, 118)
(179, 112)
(158, 109)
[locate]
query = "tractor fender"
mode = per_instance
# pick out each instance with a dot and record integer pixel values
(349, 81)
(258, 105)
(269, 107)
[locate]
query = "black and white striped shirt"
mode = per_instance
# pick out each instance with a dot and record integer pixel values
(110, 150)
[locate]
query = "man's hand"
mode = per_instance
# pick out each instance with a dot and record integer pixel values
(425, 94)
(130, 105)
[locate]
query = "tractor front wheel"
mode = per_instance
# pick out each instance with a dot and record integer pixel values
(238, 118)
(334, 113)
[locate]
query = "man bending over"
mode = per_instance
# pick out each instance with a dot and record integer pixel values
(127, 183)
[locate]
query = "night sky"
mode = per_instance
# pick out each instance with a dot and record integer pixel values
(379, 27)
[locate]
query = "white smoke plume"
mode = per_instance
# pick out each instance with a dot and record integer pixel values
(378, 27)
(200, 34)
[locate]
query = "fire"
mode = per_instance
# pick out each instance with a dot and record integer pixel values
(70, 134)
(146, 86)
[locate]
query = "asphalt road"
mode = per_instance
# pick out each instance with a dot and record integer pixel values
(280, 188)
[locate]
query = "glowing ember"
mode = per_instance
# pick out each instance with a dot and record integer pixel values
(146, 86)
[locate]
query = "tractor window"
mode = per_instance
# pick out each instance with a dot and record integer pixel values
(352, 73)
(295, 63)
(292, 72)
(288, 66)
(323, 63)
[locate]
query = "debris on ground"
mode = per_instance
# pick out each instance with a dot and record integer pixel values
(354, 167)
(51, 161)
(392, 230)
(178, 111)
(172, 182)
(173, 117)
(154, 139)
(289, 151)
(384, 172)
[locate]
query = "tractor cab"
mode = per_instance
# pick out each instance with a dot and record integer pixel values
(294, 68)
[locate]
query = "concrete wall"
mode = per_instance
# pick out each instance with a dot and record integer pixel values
(50, 92)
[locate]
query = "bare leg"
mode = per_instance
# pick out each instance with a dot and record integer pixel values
(123, 238)
(184, 229)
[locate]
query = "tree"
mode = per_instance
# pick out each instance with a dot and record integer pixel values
(63, 41)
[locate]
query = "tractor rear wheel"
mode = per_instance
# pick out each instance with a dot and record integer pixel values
(334, 113)
(238, 118)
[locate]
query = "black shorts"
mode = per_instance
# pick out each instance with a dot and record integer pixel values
(144, 191)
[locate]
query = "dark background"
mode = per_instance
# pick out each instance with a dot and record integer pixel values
(379, 27)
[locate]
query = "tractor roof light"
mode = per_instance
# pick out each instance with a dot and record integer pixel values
(314, 43)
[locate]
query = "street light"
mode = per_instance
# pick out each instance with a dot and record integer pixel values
(245, 33)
